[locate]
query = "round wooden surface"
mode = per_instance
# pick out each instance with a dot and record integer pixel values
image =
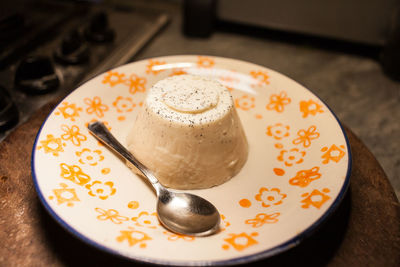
(364, 231)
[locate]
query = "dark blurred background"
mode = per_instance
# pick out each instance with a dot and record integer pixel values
(347, 52)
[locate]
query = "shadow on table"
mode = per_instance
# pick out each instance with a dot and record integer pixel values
(316, 250)
(319, 248)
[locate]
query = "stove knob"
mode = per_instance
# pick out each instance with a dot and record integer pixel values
(8, 111)
(98, 30)
(36, 75)
(73, 49)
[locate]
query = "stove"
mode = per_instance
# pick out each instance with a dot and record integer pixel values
(48, 48)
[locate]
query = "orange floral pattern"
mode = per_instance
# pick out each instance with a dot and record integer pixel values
(263, 218)
(278, 131)
(240, 241)
(133, 237)
(305, 136)
(305, 177)
(111, 215)
(245, 102)
(124, 104)
(65, 195)
(74, 174)
(68, 111)
(278, 102)
(269, 197)
(146, 219)
(101, 190)
(261, 76)
(292, 156)
(334, 153)
(73, 134)
(52, 145)
(95, 106)
(136, 84)
(87, 156)
(310, 107)
(316, 198)
(113, 78)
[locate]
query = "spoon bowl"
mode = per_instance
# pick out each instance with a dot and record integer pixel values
(179, 212)
(187, 213)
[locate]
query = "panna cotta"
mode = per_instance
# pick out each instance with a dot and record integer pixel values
(188, 133)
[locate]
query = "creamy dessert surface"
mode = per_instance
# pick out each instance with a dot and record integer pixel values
(188, 133)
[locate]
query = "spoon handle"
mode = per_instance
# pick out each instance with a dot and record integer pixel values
(100, 131)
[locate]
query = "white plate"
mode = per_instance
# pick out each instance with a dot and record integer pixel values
(296, 175)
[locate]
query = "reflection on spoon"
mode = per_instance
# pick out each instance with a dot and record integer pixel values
(182, 213)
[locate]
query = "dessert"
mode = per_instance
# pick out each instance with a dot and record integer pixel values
(188, 133)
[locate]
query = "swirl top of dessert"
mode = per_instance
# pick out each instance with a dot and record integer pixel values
(189, 99)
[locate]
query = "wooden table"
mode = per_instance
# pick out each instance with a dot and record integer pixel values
(364, 231)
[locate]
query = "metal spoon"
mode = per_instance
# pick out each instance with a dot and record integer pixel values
(182, 213)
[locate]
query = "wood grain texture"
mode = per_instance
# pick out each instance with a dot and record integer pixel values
(364, 231)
